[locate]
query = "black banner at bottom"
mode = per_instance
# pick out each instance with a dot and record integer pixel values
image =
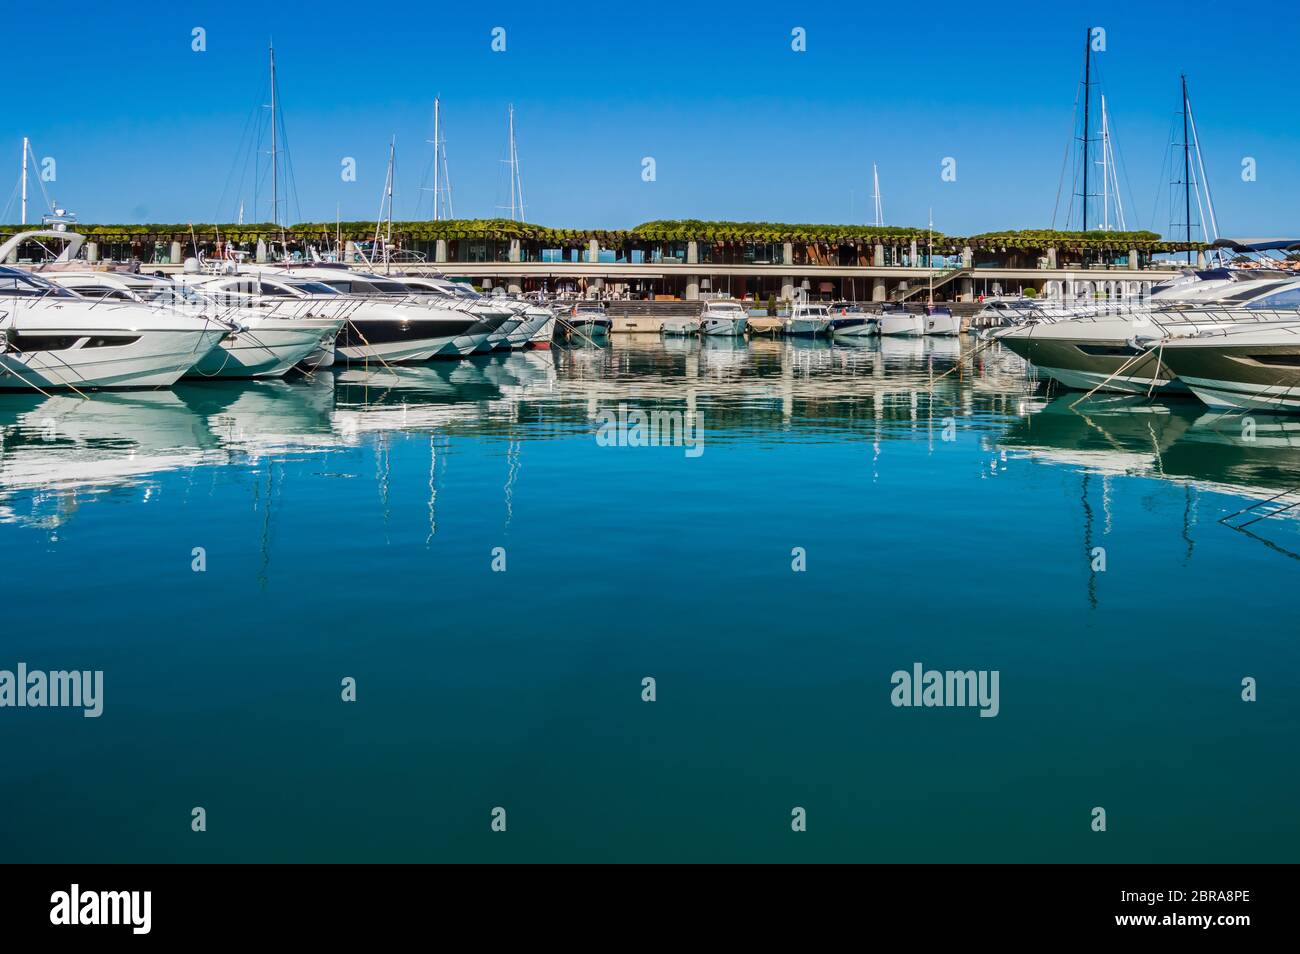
(205, 903)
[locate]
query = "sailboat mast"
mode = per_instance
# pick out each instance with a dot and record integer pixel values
(1187, 173)
(1105, 168)
(437, 156)
(1202, 180)
(513, 160)
(1087, 120)
(875, 181)
(26, 149)
(275, 159)
(929, 252)
(392, 157)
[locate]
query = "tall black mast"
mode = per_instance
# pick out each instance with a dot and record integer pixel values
(1087, 88)
(1187, 174)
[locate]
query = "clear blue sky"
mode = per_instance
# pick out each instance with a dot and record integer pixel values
(143, 129)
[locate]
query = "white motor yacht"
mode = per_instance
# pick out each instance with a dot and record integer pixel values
(851, 320)
(52, 338)
(587, 319)
(390, 324)
(897, 321)
(725, 319)
(269, 337)
(1123, 352)
(939, 320)
(808, 321)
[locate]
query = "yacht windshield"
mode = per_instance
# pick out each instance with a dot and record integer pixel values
(314, 288)
(17, 284)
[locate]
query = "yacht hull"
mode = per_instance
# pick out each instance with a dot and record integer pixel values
(545, 335)
(943, 325)
(902, 325)
(723, 327)
(855, 327)
(155, 360)
(807, 327)
(397, 340)
(1241, 377)
(588, 327)
(265, 349)
(475, 338)
(1084, 364)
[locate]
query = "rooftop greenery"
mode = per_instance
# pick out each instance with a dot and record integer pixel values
(672, 230)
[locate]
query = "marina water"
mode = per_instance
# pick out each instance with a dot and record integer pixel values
(500, 584)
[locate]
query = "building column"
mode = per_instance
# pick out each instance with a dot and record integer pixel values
(692, 252)
(515, 285)
(260, 256)
(92, 252)
(593, 250)
(514, 250)
(967, 258)
(911, 260)
(787, 287)
(1051, 257)
(350, 251)
(1133, 258)
(1200, 259)
(439, 250)
(878, 288)
(878, 258)
(967, 289)
(787, 255)
(175, 254)
(692, 287)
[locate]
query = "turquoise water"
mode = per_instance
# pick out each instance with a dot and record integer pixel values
(349, 522)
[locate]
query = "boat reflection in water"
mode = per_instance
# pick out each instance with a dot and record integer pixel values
(60, 451)
(1254, 459)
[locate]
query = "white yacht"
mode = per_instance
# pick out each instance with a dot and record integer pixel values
(1242, 366)
(808, 321)
(500, 317)
(390, 324)
(939, 320)
(726, 319)
(850, 320)
(267, 339)
(897, 321)
(1124, 352)
(52, 338)
(587, 319)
